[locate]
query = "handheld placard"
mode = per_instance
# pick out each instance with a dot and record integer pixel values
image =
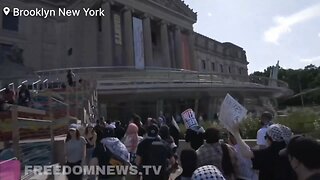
(189, 118)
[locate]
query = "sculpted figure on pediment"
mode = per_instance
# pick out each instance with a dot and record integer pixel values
(178, 6)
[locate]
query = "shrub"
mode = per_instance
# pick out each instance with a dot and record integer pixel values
(300, 120)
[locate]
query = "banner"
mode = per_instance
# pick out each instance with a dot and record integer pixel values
(117, 29)
(231, 112)
(185, 52)
(172, 49)
(189, 118)
(138, 43)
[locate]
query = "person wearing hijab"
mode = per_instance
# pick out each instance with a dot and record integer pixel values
(131, 140)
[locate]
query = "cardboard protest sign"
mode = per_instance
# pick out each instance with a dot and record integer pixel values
(189, 118)
(231, 112)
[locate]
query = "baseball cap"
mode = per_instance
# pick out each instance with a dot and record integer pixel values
(304, 149)
(153, 130)
(275, 133)
(207, 172)
(73, 127)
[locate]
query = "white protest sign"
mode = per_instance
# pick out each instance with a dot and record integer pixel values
(231, 112)
(189, 118)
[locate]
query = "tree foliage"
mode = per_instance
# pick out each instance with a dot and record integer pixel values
(299, 80)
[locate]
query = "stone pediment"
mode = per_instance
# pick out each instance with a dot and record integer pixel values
(55, 3)
(178, 6)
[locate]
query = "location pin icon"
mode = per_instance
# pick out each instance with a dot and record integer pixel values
(6, 10)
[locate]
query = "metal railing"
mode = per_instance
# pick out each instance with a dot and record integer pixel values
(267, 81)
(129, 73)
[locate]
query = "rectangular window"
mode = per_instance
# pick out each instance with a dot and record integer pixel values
(203, 64)
(154, 38)
(213, 66)
(229, 69)
(221, 68)
(239, 70)
(5, 50)
(10, 22)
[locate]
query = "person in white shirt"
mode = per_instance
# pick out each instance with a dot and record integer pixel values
(245, 165)
(266, 121)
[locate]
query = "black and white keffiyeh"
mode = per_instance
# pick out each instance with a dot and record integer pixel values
(117, 148)
(275, 133)
(209, 172)
(286, 133)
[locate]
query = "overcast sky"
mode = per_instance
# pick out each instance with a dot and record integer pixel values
(268, 30)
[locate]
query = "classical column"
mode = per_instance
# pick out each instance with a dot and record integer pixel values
(159, 107)
(147, 41)
(178, 46)
(165, 43)
(106, 57)
(196, 106)
(193, 61)
(211, 108)
(128, 37)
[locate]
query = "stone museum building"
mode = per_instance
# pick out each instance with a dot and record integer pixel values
(143, 56)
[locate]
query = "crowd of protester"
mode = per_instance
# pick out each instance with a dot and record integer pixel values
(8, 96)
(22, 96)
(283, 155)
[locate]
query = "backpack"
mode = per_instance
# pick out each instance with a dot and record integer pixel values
(157, 155)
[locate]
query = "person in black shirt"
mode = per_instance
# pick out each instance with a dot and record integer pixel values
(174, 130)
(70, 78)
(304, 156)
(99, 129)
(24, 96)
(154, 151)
(165, 135)
(195, 136)
(268, 161)
(188, 159)
(119, 131)
(102, 156)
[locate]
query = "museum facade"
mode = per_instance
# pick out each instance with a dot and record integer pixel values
(143, 56)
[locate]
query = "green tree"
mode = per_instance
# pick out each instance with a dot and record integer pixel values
(299, 80)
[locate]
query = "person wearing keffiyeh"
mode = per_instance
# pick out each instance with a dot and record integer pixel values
(209, 172)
